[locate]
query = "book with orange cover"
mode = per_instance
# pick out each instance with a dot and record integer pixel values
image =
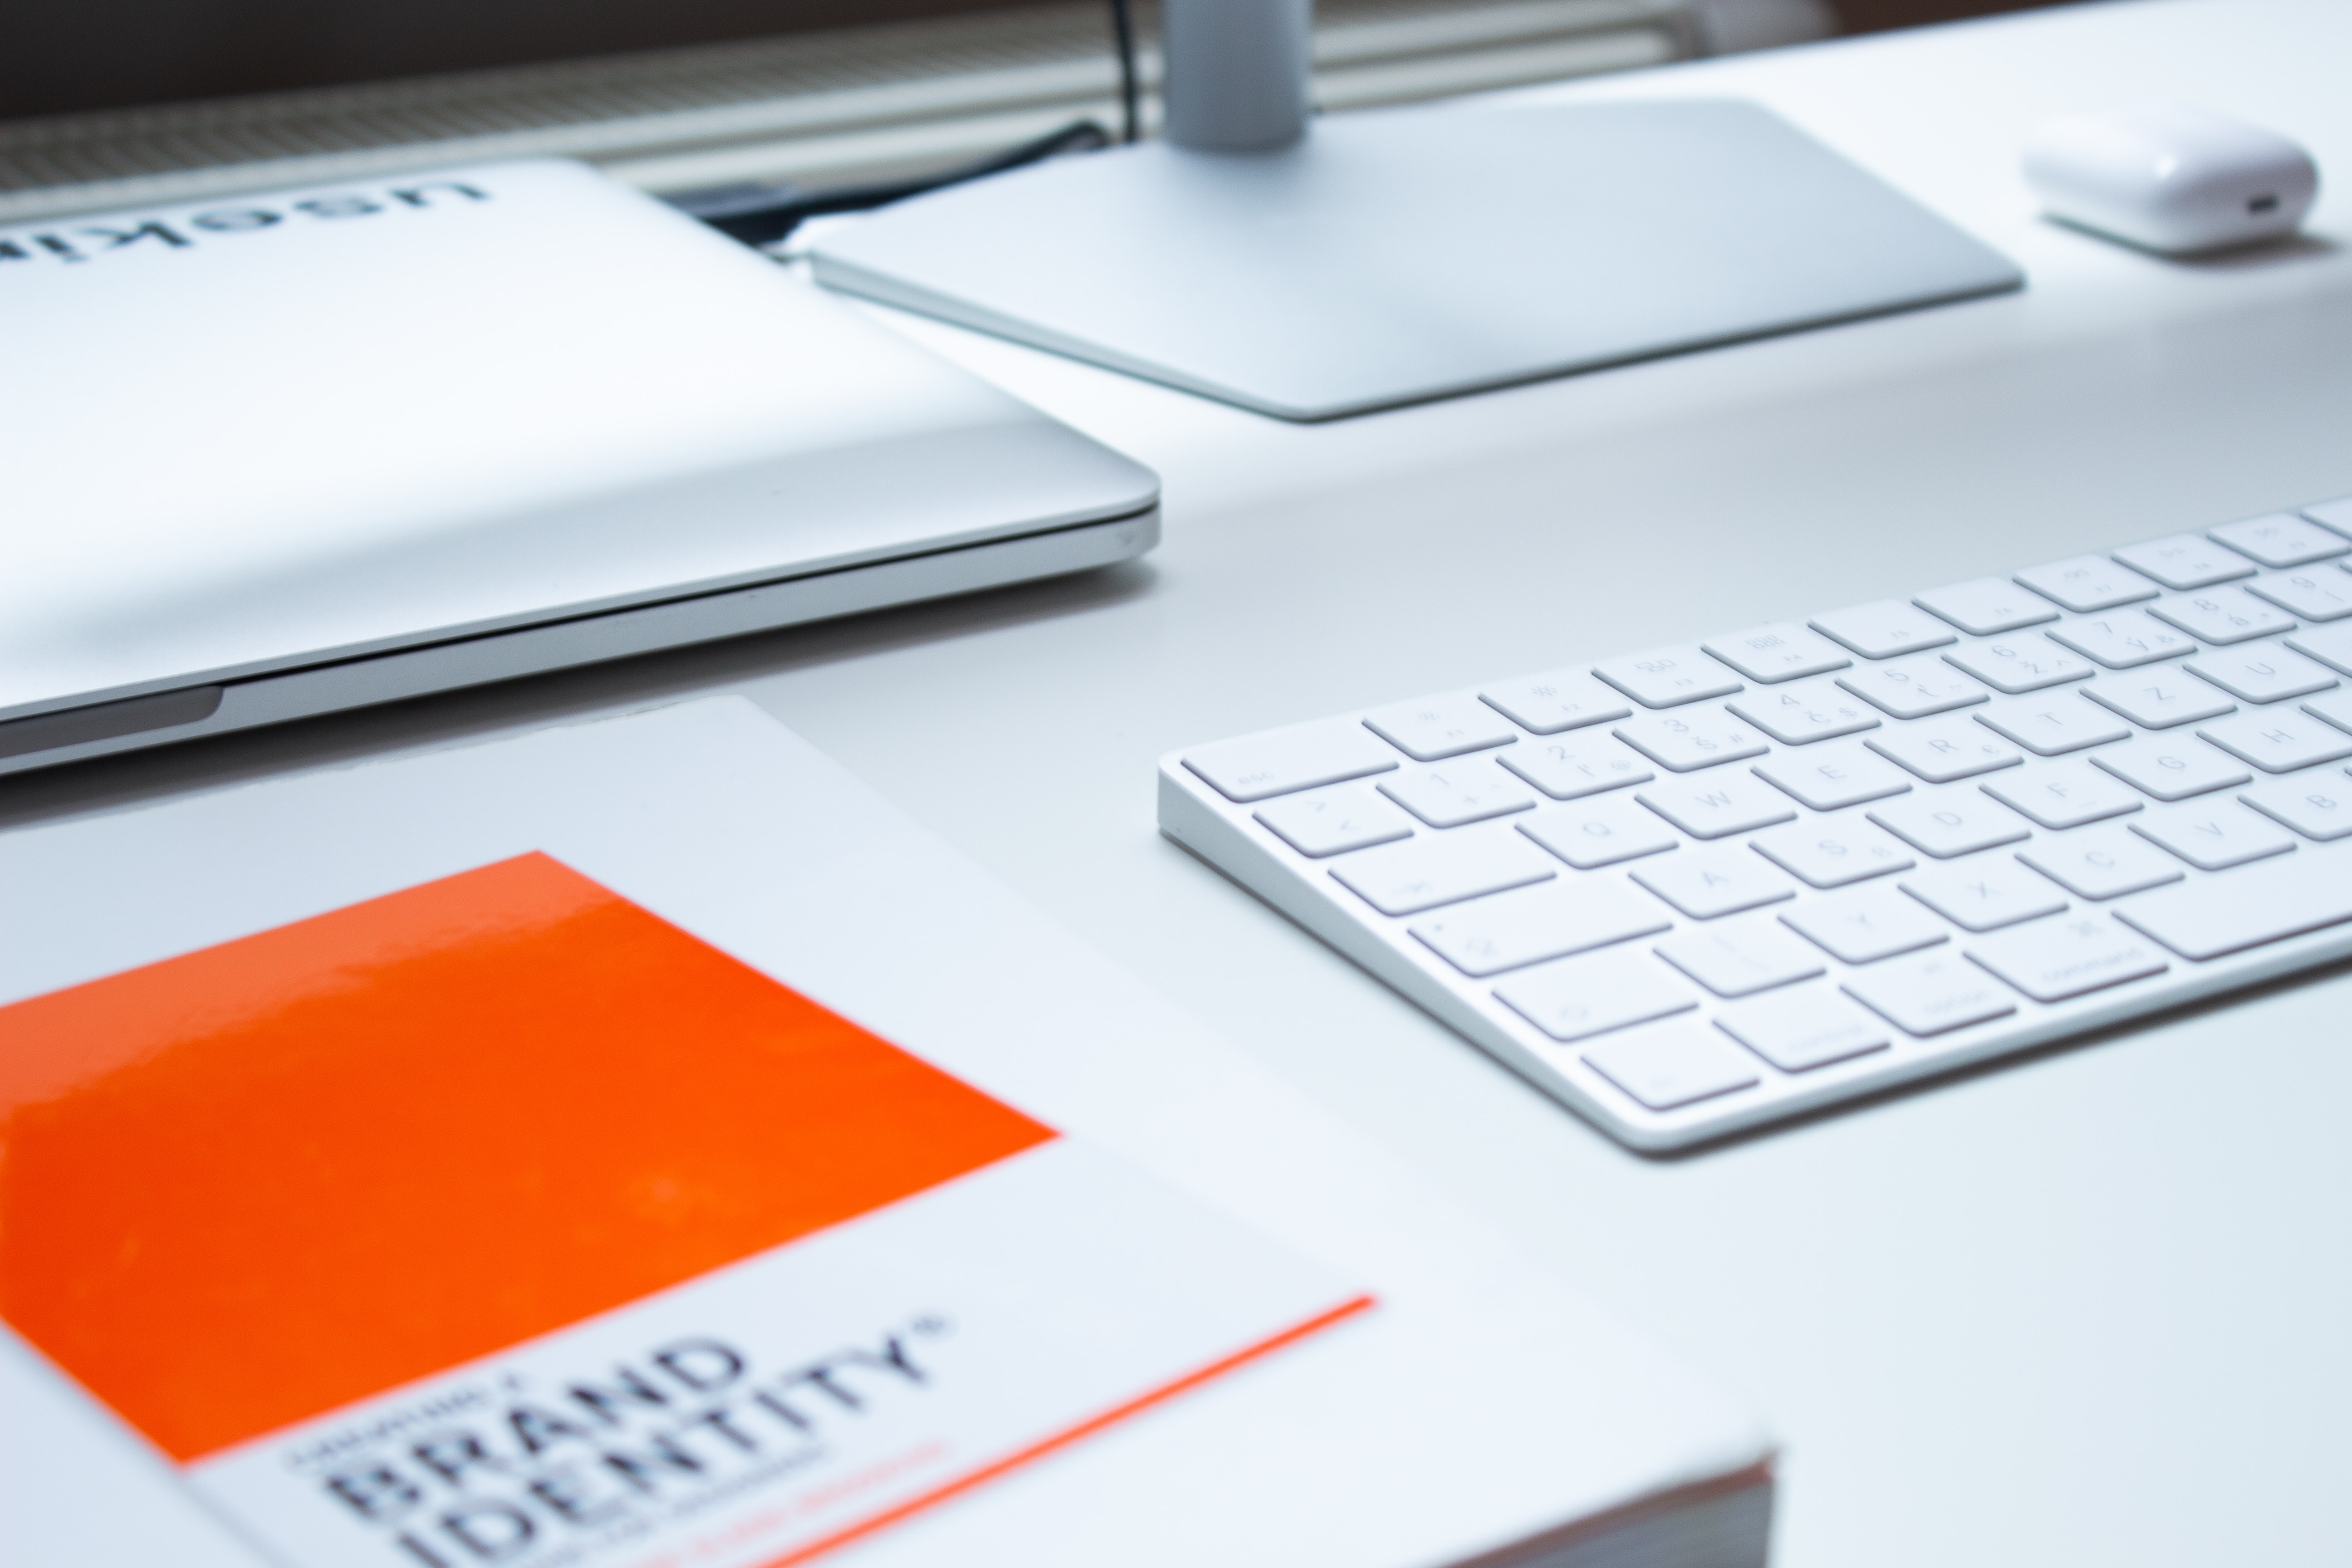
(635, 1146)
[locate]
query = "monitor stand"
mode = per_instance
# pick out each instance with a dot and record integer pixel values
(1395, 256)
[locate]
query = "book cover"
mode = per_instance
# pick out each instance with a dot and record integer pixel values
(497, 1220)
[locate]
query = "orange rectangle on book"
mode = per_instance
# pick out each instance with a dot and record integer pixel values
(253, 1184)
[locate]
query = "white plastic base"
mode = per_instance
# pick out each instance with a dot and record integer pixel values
(1411, 254)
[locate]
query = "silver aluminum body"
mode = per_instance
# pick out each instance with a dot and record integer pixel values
(276, 455)
(1400, 254)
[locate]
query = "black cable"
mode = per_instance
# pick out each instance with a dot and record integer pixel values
(1122, 27)
(763, 215)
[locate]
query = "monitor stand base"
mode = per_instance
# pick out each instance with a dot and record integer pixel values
(1401, 255)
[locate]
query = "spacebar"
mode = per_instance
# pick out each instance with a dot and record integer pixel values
(2207, 917)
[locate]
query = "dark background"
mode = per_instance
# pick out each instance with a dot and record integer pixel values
(60, 56)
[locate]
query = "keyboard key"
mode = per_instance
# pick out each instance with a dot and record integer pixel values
(1883, 629)
(1332, 821)
(2262, 904)
(1984, 894)
(1720, 879)
(1573, 998)
(1580, 766)
(1741, 957)
(1808, 711)
(2059, 796)
(2159, 699)
(1781, 652)
(1469, 791)
(2216, 836)
(2088, 583)
(1691, 739)
(1442, 727)
(2222, 616)
(1866, 924)
(2056, 724)
(2323, 595)
(1673, 1065)
(1667, 676)
(2105, 863)
(2335, 516)
(1600, 832)
(1950, 823)
(1833, 854)
(2316, 806)
(2331, 645)
(2171, 767)
(1276, 761)
(1560, 699)
(2262, 672)
(2022, 664)
(1913, 687)
(1987, 607)
(2278, 742)
(1805, 1029)
(2123, 639)
(2185, 560)
(1511, 931)
(1425, 871)
(2281, 539)
(1942, 749)
(1931, 993)
(2336, 707)
(1716, 803)
(2070, 956)
(1829, 777)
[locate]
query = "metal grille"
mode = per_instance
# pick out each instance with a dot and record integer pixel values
(855, 104)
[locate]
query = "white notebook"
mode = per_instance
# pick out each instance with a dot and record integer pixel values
(635, 1143)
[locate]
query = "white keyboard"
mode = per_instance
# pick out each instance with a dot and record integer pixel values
(1701, 888)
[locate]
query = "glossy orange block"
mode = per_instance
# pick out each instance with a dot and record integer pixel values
(247, 1185)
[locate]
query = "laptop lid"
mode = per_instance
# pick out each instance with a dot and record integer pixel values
(272, 432)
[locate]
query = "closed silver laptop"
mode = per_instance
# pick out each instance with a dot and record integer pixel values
(272, 456)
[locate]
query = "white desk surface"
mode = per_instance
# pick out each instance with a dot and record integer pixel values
(2084, 1308)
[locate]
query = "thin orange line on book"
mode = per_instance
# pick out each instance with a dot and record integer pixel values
(1069, 1436)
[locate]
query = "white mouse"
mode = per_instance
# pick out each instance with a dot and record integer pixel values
(2171, 177)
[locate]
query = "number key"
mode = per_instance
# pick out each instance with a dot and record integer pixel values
(1800, 714)
(1691, 739)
